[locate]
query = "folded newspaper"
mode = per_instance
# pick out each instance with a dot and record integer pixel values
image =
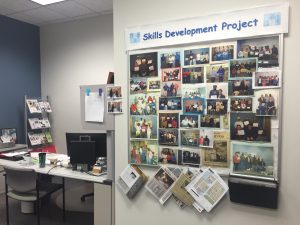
(207, 188)
(131, 180)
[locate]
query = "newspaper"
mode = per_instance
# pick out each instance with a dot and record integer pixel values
(131, 180)
(207, 189)
(160, 185)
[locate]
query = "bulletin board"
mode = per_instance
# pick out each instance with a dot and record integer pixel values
(208, 102)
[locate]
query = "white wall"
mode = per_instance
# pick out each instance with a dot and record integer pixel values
(73, 54)
(144, 209)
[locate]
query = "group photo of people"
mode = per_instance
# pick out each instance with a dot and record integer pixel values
(144, 65)
(223, 52)
(241, 104)
(167, 156)
(168, 137)
(173, 103)
(191, 157)
(142, 104)
(193, 106)
(193, 92)
(168, 120)
(196, 56)
(189, 121)
(171, 74)
(218, 107)
(143, 127)
(153, 85)
(264, 49)
(114, 92)
(242, 67)
(170, 60)
(215, 91)
(138, 85)
(268, 79)
(114, 107)
(206, 138)
(144, 152)
(210, 121)
(217, 73)
(189, 138)
(240, 87)
(171, 89)
(193, 75)
(218, 155)
(266, 102)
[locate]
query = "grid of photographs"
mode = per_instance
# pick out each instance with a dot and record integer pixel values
(193, 102)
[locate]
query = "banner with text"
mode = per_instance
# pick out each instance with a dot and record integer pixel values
(271, 19)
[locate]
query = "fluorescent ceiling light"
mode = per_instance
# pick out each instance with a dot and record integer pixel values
(46, 2)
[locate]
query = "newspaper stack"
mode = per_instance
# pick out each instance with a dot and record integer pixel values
(131, 180)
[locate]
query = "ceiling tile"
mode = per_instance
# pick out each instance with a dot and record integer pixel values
(97, 5)
(25, 18)
(18, 5)
(70, 9)
(43, 14)
(4, 11)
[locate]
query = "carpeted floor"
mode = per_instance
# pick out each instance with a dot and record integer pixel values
(51, 214)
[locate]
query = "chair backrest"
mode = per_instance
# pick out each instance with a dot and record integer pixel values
(21, 179)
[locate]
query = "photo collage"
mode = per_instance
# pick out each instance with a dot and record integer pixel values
(205, 105)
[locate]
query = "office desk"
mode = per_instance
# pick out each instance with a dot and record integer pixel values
(103, 188)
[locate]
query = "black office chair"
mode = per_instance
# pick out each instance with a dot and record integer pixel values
(25, 185)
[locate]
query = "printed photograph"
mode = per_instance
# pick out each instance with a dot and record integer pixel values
(238, 104)
(171, 74)
(196, 56)
(8, 135)
(173, 103)
(143, 127)
(193, 91)
(114, 106)
(114, 92)
(225, 121)
(189, 157)
(193, 105)
(164, 179)
(193, 75)
(171, 89)
(206, 138)
(218, 107)
(222, 52)
(266, 102)
(264, 49)
(168, 120)
(143, 104)
(167, 155)
(239, 68)
(240, 87)
(138, 85)
(143, 65)
(252, 159)
(217, 90)
(168, 137)
(267, 79)
(210, 121)
(144, 152)
(217, 73)
(189, 121)
(153, 85)
(249, 127)
(170, 60)
(218, 156)
(189, 138)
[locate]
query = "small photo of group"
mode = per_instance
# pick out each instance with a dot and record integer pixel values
(144, 152)
(193, 75)
(168, 120)
(217, 73)
(143, 104)
(189, 138)
(193, 91)
(171, 74)
(249, 127)
(240, 68)
(264, 49)
(170, 60)
(193, 105)
(153, 85)
(189, 121)
(240, 104)
(171, 89)
(138, 85)
(196, 56)
(240, 87)
(114, 106)
(216, 106)
(173, 103)
(266, 102)
(268, 79)
(114, 92)
(143, 65)
(189, 157)
(218, 156)
(217, 91)
(210, 121)
(167, 155)
(143, 127)
(206, 138)
(168, 137)
(222, 52)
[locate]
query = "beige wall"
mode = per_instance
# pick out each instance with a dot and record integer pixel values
(73, 54)
(144, 209)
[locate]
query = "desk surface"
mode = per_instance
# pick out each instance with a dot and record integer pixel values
(57, 171)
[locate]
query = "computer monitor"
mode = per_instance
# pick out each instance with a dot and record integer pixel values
(98, 138)
(82, 152)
